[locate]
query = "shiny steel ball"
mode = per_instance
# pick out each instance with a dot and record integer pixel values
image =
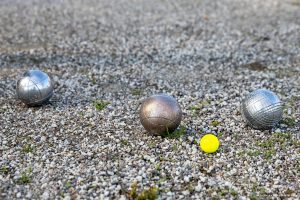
(160, 114)
(34, 88)
(262, 109)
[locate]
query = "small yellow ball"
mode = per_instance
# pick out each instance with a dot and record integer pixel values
(209, 143)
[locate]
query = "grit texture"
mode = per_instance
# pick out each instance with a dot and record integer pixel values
(106, 56)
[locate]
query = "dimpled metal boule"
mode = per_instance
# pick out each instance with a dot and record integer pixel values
(160, 114)
(262, 109)
(34, 88)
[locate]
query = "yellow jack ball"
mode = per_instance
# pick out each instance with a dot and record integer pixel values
(209, 143)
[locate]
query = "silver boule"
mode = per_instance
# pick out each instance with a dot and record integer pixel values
(262, 109)
(160, 114)
(34, 88)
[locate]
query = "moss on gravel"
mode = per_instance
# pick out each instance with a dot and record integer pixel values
(100, 104)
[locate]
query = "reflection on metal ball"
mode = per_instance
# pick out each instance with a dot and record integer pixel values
(160, 114)
(262, 109)
(34, 88)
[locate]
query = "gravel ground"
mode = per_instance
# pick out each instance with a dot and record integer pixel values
(207, 54)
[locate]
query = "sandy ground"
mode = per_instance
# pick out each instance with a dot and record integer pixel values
(207, 54)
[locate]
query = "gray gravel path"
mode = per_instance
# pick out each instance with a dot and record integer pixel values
(207, 54)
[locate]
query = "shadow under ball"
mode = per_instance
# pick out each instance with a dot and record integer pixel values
(34, 88)
(262, 109)
(160, 114)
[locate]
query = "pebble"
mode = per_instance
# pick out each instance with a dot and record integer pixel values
(198, 188)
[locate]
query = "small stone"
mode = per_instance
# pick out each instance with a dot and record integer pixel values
(169, 193)
(106, 193)
(45, 195)
(19, 194)
(278, 131)
(186, 179)
(139, 178)
(233, 171)
(190, 138)
(29, 195)
(198, 188)
(253, 179)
